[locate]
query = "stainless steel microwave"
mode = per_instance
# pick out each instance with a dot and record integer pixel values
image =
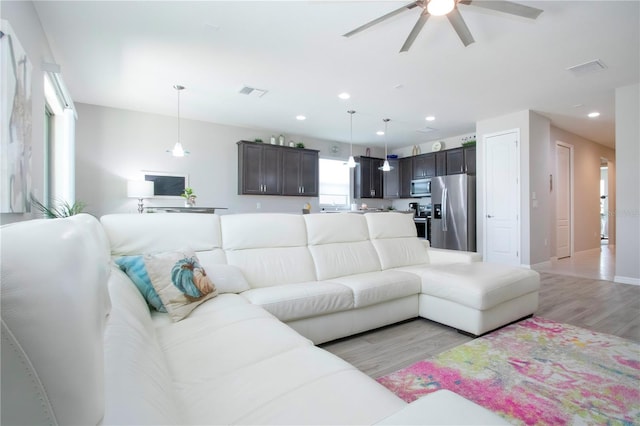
(421, 188)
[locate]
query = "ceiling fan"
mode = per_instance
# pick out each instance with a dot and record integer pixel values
(450, 9)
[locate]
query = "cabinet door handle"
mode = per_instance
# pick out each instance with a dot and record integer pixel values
(302, 189)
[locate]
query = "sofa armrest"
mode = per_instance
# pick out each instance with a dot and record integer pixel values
(443, 407)
(441, 256)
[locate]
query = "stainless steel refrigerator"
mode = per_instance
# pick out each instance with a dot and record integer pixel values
(453, 216)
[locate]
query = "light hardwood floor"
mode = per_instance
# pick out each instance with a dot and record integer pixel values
(597, 305)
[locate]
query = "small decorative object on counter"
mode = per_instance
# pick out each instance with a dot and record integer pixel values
(367, 152)
(189, 197)
(291, 144)
(258, 140)
(469, 141)
(281, 140)
(299, 145)
(273, 140)
(306, 209)
(363, 206)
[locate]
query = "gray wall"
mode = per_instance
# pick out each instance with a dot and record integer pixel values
(628, 188)
(115, 145)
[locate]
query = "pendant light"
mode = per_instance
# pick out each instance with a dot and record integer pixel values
(351, 162)
(386, 167)
(178, 150)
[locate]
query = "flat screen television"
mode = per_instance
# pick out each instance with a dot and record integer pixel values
(166, 185)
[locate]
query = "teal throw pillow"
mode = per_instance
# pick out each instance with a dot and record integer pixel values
(135, 268)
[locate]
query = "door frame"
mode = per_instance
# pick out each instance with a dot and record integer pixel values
(571, 198)
(485, 242)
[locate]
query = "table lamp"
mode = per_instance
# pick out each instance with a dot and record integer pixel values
(140, 189)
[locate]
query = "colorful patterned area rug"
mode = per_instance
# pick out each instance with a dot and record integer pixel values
(536, 372)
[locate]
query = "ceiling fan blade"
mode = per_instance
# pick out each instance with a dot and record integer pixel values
(383, 17)
(424, 16)
(460, 26)
(506, 7)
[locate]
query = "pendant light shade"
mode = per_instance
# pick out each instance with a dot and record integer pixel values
(178, 150)
(386, 167)
(352, 161)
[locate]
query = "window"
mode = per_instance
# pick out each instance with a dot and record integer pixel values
(335, 183)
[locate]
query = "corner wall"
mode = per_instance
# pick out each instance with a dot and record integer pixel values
(627, 205)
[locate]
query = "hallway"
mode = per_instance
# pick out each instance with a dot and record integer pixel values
(598, 264)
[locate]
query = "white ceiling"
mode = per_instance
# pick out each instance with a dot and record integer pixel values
(130, 54)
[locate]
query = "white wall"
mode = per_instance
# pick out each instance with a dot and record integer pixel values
(115, 145)
(627, 210)
(22, 17)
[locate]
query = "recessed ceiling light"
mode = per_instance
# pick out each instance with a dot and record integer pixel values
(380, 132)
(430, 118)
(300, 117)
(593, 114)
(344, 95)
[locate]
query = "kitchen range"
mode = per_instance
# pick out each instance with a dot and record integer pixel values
(422, 219)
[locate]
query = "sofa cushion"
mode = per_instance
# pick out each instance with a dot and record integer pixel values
(325, 228)
(394, 237)
(138, 384)
(265, 267)
(179, 280)
(377, 287)
(340, 259)
(131, 234)
(250, 231)
(478, 285)
(302, 385)
(294, 301)
(398, 252)
(390, 225)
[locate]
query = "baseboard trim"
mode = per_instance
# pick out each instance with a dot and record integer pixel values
(542, 264)
(626, 280)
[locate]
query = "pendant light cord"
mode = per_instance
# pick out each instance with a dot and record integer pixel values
(386, 122)
(351, 112)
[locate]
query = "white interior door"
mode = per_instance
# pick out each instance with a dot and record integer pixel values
(563, 200)
(502, 198)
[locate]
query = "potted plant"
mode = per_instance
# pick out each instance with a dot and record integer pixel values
(58, 208)
(189, 197)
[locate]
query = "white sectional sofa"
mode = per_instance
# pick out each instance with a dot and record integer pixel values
(81, 346)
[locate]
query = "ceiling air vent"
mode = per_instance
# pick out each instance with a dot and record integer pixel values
(426, 129)
(252, 91)
(587, 68)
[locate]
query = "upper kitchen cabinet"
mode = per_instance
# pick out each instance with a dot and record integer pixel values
(441, 163)
(367, 181)
(461, 160)
(424, 165)
(406, 175)
(259, 169)
(265, 169)
(391, 180)
(299, 172)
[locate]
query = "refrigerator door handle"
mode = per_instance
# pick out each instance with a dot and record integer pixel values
(444, 209)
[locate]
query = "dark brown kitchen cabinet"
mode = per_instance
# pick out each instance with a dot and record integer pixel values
(299, 172)
(406, 175)
(461, 160)
(259, 169)
(424, 165)
(470, 160)
(367, 180)
(441, 163)
(455, 161)
(391, 180)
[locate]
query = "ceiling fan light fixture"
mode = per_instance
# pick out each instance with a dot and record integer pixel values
(440, 7)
